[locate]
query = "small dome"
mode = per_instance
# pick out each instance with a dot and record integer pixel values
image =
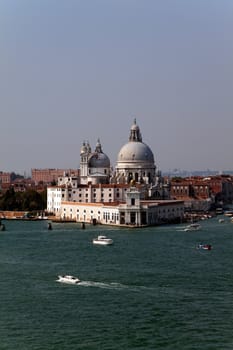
(99, 160)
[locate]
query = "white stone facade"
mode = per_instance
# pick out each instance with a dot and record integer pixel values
(87, 194)
(132, 213)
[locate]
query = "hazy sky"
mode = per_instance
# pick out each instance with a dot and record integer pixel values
(73, 70)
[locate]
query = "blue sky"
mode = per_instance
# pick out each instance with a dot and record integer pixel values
(81, 70)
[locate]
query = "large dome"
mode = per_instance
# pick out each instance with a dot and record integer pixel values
(135, 160)
(135, 152)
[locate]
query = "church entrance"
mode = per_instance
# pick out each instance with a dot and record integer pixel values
(122, 218)
(133, 218)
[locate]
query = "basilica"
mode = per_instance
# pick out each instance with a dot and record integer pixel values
(133, 193)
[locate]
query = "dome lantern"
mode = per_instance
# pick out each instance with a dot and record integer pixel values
(135, 134)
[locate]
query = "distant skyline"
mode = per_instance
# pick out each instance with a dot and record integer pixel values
(75, 70)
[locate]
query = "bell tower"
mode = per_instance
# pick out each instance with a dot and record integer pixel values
(84, 156)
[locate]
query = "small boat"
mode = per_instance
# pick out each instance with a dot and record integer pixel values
(2, 226)
(221, 221)
(50, 226)
(68, 279)
(228, 213)
(193, 227)
(102, 240)
(204, 246)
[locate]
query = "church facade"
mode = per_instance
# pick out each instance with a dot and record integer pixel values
(131, 194)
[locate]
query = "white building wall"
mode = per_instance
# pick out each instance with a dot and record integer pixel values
(165, 213)
(98, 194)
(80, 213)
(54, 199)
(110, 215)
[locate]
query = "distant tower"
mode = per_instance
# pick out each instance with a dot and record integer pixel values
(84, 156)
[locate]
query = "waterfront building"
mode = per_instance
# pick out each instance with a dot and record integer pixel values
(202, 193)
(142, 213)
(132, 194)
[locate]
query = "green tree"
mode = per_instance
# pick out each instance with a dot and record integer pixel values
(28, 201)
(9, 200)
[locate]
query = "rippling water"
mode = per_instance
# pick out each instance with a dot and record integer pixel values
(151, 290)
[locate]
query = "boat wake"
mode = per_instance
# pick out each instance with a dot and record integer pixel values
(111, 285)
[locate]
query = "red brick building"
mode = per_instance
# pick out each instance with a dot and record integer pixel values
(218, 188)
(47, 176)
(5, 177)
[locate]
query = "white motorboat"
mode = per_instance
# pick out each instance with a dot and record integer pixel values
(68, 279)
(102, 240)
(193, 227)
(228, 213)
(204, 246)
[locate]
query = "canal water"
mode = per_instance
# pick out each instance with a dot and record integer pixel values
(152, 289)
